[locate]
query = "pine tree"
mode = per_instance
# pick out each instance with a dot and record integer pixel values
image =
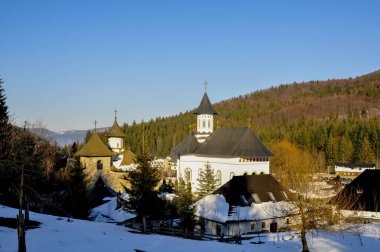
(5, 127)
(142, 193)
(206, 181)
(185, 208)
(366, 154)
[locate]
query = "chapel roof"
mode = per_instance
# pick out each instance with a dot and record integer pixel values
(115, 131)
(94, 148)
(363, 193)
(225, 142)
(128, 157)
(240, 189)
(205, 107)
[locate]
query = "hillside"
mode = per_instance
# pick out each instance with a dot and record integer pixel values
(307, 113)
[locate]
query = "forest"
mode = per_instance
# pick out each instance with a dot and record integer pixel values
(337, 118)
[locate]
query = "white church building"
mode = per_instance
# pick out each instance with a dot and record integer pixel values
(229, 151)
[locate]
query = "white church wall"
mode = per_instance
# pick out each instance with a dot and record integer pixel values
(116, 143)
(226, 166)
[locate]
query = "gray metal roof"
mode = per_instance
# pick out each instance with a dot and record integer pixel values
(205, 107)
(225, 142)
(240, 189)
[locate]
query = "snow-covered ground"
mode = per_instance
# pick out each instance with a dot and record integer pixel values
(63, 234)
(107, 212)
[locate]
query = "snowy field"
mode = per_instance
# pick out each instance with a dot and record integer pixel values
(62, 234)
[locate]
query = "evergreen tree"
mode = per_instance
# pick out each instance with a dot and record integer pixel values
(366, 154)
(5, 127)
(330, 151)
(142, 193)
(77, 198)
(206, 181)
(185, 208)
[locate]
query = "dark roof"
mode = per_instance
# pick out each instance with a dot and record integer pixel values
(363, 193)
(115, 131)
(94, 148)
(205, 107)
(355, 165)
(238, 191)
(188, 145)
(231, 142)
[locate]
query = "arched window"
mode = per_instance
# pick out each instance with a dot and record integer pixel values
(232, 174)
(218, 177)
(204, 123)
(187, 174)
(209, 123)
(99, 165)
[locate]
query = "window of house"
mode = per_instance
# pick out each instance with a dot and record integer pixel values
(218, 229)
(253, 226)
(284, 194)
(263, 224)
(287, 221)
(204, 123)
(256, 198)
(271, 196)
(218, 177)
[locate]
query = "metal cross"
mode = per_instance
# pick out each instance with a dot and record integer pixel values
(205, 83)
(115, 114)
(95, 122)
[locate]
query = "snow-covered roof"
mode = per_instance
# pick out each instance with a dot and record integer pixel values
(215, 207)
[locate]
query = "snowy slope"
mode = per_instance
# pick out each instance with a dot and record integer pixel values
(58, 234)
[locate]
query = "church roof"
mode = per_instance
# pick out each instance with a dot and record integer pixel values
(115, 131)
(230, 142)
(362, 194)
(240, 189)
(205, 107)
(188, 145)
(94, 148)
(128, 157)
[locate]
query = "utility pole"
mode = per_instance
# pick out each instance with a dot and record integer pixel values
(20, 216)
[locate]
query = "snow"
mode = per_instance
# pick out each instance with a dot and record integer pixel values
(58, 234)
(117, 164)
(108, 213)
(214, 207)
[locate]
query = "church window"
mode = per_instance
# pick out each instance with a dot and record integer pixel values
(118, 145)
(232, 174)
(99, 165)
(204, 123)
(284, 194)
(188, 174)
(209, 123)
(218, 177)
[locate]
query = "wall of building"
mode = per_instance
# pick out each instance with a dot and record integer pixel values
(244, 227)
(116, 143)
(226, 166)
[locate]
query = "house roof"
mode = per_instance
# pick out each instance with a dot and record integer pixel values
(363, 193)
(128, 157)
(115, 131)
(355, 165)
(205, 107)
(94, 148)
(240, 190)
(231, 142)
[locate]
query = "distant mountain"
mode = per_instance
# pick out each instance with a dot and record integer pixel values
(64, 138)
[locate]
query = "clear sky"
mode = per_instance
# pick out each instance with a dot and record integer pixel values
(69, 62)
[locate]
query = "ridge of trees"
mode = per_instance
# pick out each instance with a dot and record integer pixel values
(338, 118)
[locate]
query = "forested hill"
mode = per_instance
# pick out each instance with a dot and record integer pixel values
(339, 117)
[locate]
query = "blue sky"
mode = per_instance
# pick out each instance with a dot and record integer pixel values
(67, 63)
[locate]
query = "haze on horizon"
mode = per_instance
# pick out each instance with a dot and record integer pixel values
(67, 63)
